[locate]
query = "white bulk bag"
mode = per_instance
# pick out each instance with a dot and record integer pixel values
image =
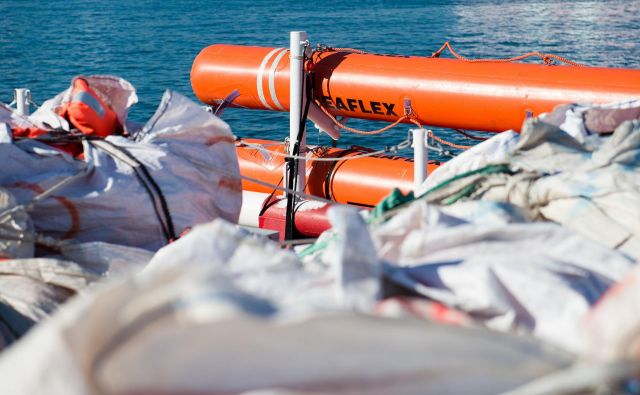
(186, 151)
(237, 316)
(31, 289)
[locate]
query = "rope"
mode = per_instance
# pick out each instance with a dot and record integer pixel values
(441, 151)
(488, 169)
(447, 143)
(38, 238)
(383, 215)
(268, 201)
(389, 149)
(546, 58)
(365, 132)
(407, 116)
(325, 48)
(347, 50)
(395, 201)
(470, 136)
(392, 149)
(158, 200)
(282, 189)
(31, 102)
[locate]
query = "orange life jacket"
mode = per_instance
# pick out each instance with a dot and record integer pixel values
(28, 133)
(87, 112)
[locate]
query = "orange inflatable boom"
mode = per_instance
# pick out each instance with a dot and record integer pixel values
(488, 96)
(362, 182)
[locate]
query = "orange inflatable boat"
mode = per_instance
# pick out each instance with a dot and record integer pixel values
(488, 96)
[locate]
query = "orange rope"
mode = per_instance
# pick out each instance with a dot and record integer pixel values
(546, 58)
(365, 132)
(388, 127)
(345, 127)
(409, 116)
(445, 142)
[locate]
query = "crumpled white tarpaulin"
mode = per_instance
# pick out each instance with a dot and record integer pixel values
(583, 120)
(533, 278)
(16, 229)
(590, 184)
(188, 153)
(222, 312)
(32, 289)
(494, 150)
(347, 279)
(612, 329)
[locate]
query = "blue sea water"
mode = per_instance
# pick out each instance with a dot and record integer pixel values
(43, 44)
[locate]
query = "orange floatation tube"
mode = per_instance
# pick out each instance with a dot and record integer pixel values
(363, 181)
(488, 96)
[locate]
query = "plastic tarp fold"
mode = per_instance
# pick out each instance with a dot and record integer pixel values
(612, 329)
(219, 319)
(16, 229)
(31, 289)
(188, 153)
(348, 279)
(583, 120)
(590, 185)
(106, 259)
(509, 276)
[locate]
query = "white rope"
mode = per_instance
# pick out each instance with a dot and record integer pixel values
(442, 151)
(38, 238)
(393, 149)
(31, 102)
(287, 190)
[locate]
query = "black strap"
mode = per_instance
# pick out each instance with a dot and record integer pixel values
(332, 169)
(268, 202)
(160, 205)
(293, 163)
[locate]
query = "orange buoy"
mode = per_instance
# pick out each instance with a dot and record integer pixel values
(487, 96)
(363, 181)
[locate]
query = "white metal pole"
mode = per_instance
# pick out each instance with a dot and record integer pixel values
(296, 93)
(285, 178)
(420, 158)
(22, 101)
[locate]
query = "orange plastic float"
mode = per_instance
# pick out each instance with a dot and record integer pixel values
(488, 96)
(363, 181)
